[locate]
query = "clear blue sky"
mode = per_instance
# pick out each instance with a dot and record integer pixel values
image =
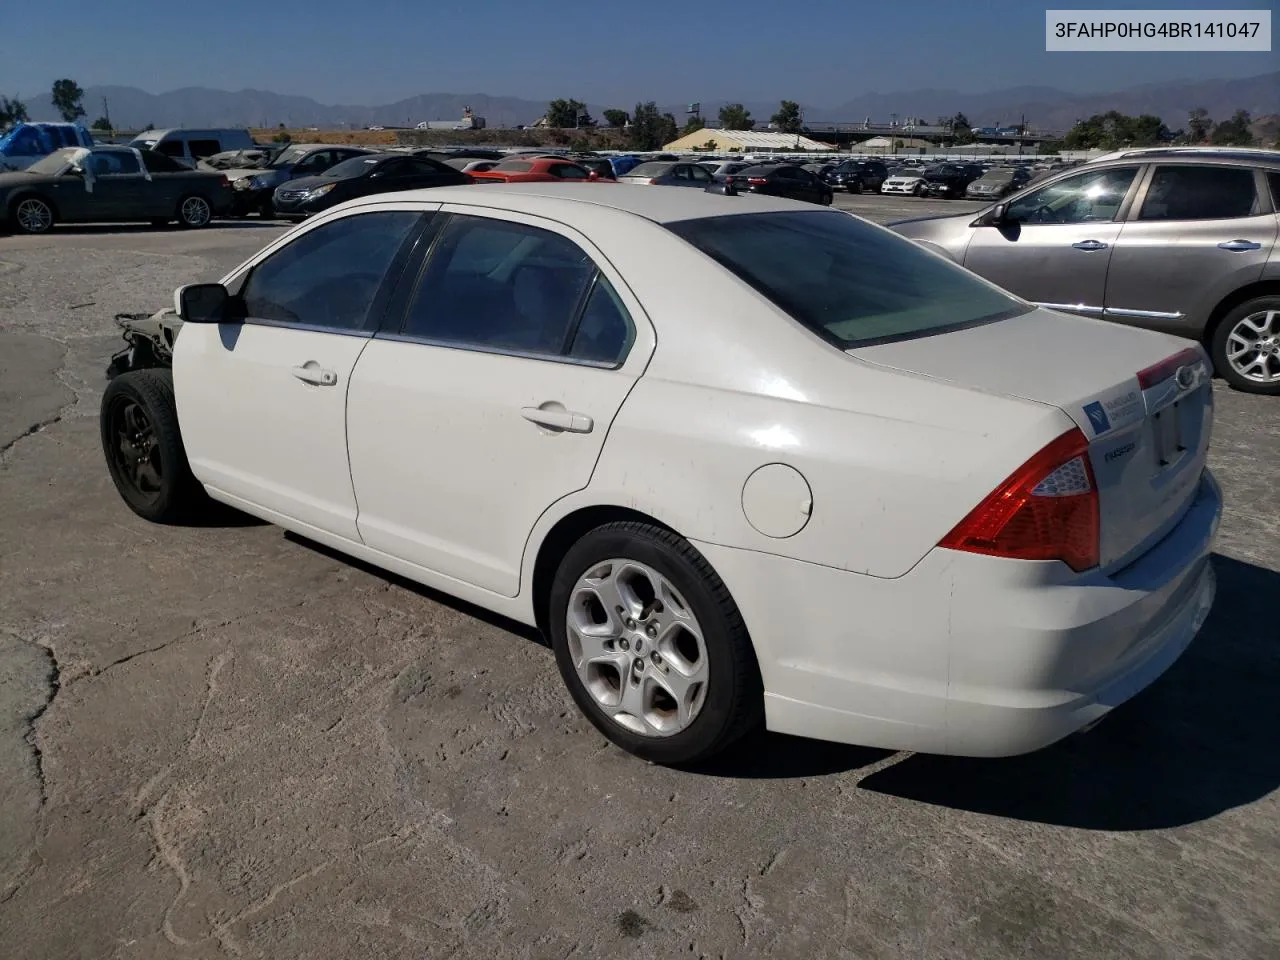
(615, 51)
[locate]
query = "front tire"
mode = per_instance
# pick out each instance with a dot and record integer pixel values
(194, 212)
(138, 421)
(651, 645)
(1245, 347)
(32, 215)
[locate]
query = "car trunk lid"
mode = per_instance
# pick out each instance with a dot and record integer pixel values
(1143, 400)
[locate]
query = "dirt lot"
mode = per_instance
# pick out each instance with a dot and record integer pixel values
(226, 741)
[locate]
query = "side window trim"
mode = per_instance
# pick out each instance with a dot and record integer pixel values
(1132, 213)
(1129, 203)
(382, 299)
(397, 314)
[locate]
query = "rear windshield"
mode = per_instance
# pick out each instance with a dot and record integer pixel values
(650, 170)
(850, 282)
(514, 166)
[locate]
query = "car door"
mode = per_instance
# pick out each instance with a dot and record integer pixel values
(701, 176)
(1055, 244)
(787, 182)
(263, 400)
(1196, 233)
(167, 182)
(493, 398)
(117, 186)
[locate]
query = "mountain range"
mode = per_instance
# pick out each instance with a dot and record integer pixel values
(1043, 107)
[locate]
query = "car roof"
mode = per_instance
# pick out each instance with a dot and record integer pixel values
(568, 202)
(1270, 158)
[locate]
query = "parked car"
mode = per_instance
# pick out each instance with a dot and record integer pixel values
(856, 176)
(188, 147)
(78, 185)
(996, 183)
(600, 166)
(532, 170)
(25, 143)
(1184, 243)
(254, 185)
(359, 177)
(720, 169)
(624, 162)
(661, 173)
(950, 180)
(904, 180)
(781, 180)
(239, 159)
(542, 422)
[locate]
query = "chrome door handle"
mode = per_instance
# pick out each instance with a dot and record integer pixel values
(565, 420)
(1239, 245)
(310, 372)
(1089, 245)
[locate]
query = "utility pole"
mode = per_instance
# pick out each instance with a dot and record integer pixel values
(106, 113)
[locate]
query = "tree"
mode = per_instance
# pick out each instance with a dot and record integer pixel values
(12, 111)
(667, 129)
(1234, 132)
(102, 123)
(646, 127)
(67, 96)
(1198, 125)
(787, 119)
(152, 126)
(617, 118)
(961, 129)
(734, 116)
(568, 113)
(691, 125)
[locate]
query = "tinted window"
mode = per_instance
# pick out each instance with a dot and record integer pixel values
(159, 163)
(514, 166)
(329, 276)
(1083, 198)
(500, 285)
(1199, 193)
(172, 148)
(604, 332)
(205, 148)
(355, 167)
(851, 283)
(568, 171)
(701, 175)
(113, 163)
(428, 168)
(1274, 180)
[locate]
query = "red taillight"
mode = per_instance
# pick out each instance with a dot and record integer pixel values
(1048, 510)
(757, 181)
(652, 180)
(1162, 371)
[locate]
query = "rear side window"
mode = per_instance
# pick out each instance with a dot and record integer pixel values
(330, 277)
(1200, 193)
(1274, 180)
(500, 286)
(604, 332)
(851, 283)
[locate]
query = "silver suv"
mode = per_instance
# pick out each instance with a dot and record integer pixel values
(1183, 241)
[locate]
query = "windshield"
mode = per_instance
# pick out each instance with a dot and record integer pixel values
(355, 167)
(997, 176)
(942, 170)
(290, 156)
(54, 162)
(851, 283)
(650, 170)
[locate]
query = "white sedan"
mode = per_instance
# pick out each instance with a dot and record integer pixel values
(742, 459)
(905, 180)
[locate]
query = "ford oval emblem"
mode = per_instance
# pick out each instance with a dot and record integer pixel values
(1186, 377)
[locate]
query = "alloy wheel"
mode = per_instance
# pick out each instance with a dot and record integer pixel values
(1253, 347)
(637, 648)
(34, 216)
(195, 211)
(135, 449)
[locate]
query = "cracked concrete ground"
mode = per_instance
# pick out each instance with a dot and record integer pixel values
(225, 741)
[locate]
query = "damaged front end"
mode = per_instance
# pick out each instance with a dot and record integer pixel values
(150, 338)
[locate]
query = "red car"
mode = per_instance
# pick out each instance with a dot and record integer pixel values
(533, 170)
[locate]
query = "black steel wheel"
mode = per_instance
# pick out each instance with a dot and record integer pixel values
(142, 444)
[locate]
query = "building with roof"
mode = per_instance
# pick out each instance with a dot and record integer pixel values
(743, 141)
(889, 144)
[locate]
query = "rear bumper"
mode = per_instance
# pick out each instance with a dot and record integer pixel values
(969, 655)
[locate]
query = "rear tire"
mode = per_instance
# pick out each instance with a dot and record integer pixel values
(1245, 347)
(142, 443)
(194, 212)
(32, 215)
(683, 678)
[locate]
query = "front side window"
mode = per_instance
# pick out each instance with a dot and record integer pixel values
(1199, 193)
(113, 163)
(1083, 198)
(331, 276)
(171, 148)
(159, 163)
(205, 148)
(500, 286)
(849, 282)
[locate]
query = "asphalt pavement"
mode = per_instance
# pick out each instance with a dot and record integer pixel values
(227, 741)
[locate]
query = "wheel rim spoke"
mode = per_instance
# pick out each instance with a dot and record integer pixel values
(637, 647)
(1253, 347)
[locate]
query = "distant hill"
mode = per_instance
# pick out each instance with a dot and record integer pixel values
(1044, 107)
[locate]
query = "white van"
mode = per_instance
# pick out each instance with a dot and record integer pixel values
(189, 146)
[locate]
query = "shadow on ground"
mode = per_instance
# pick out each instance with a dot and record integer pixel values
(1205, 738)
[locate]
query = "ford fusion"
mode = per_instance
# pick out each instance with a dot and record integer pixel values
(745, 461)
